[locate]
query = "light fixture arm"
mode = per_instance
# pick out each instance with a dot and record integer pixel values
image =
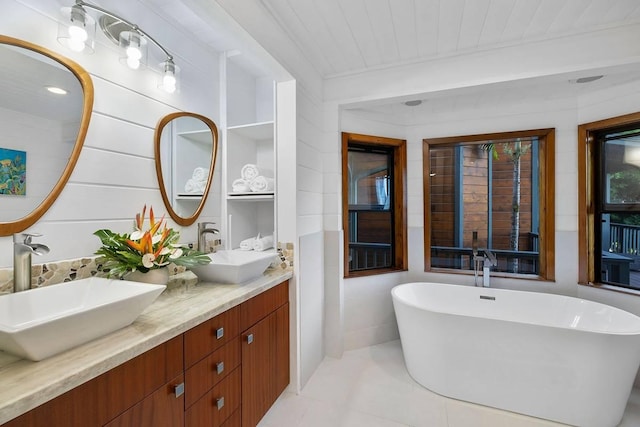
(133, 26)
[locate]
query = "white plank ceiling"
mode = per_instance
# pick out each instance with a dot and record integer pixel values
(345, 36)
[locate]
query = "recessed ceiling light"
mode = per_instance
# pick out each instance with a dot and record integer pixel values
(56, 90)
(588, 79)
(413, 103)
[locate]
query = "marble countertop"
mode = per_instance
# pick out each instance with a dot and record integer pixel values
(25, 385)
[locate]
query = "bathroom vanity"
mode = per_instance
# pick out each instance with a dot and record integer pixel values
(214, 355)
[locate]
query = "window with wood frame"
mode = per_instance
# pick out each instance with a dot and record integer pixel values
(373, 204)
(609, 202)
(490, 192)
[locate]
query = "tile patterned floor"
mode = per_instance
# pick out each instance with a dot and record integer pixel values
(370, 387)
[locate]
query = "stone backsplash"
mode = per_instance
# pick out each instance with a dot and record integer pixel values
(55, 272)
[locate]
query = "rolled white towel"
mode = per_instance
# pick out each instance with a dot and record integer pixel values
(200, 174)
(240, 186)
(249, 172)
(193, 186)
(263, 243)
(247, 244)
(260, 183)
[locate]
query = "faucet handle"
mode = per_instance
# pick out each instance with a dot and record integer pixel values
(25, 237)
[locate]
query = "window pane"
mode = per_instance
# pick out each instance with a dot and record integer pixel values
(370, 208)
(490, 188)
(369, 180)
(622, 171)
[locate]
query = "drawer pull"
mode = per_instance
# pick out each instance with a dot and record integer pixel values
(249, 338)
(178, 390)
(219, 333)
(219, 367)
(220, 403)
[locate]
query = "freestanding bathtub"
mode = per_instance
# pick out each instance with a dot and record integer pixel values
(548, 356)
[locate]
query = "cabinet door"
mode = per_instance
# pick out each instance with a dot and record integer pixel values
(163, 408)
(256, 371)
(281, 342)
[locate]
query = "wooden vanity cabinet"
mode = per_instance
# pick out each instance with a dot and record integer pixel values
(225, 372)
(265, 352)
(102, 399)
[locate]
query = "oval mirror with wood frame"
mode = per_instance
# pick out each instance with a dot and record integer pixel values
(186, 146)
(45, 107)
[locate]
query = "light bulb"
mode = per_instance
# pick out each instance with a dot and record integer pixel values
(78, 33)
(75, 45)
(169, 87)
(169, 80)
(133, 52)
(133, 63)
(169, 77)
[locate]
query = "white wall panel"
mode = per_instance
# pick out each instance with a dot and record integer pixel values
(311, 275)
(112, 134)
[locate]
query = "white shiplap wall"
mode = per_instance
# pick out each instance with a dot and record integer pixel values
(115, 174)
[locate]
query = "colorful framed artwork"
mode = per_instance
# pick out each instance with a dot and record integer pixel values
(13, 172)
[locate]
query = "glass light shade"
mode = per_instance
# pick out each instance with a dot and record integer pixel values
(77, 30)
(135, 49)
(169, 80)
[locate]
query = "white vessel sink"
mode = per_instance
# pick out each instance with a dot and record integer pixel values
(234, 266)
(39, 323)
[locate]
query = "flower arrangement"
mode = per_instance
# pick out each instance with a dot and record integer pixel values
(145, 250)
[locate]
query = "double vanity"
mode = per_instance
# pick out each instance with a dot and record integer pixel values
(201, 354)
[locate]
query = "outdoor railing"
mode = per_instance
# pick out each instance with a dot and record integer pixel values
(624, 239)
(521, 262)
(366, 256)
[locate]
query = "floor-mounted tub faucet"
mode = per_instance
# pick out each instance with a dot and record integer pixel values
(23, 247)
(489, 260)
(203, 229)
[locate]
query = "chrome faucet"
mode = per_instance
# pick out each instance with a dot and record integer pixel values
(203, 229)
(489, 260)
(23, 247)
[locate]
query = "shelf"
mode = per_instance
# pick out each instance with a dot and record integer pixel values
(257, 131)
(250, 196)
(201, 136)
(189, 196)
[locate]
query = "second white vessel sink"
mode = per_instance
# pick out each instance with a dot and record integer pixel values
(234, 266)
(38, 323)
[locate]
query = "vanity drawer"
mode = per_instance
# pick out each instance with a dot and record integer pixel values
(260, 306)
(211, 370)
(234, 420)
(211, 335)
(215, 407)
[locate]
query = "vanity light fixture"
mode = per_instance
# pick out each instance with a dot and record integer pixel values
(77, 33)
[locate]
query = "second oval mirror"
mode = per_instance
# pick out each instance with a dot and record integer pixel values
(186, 145)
